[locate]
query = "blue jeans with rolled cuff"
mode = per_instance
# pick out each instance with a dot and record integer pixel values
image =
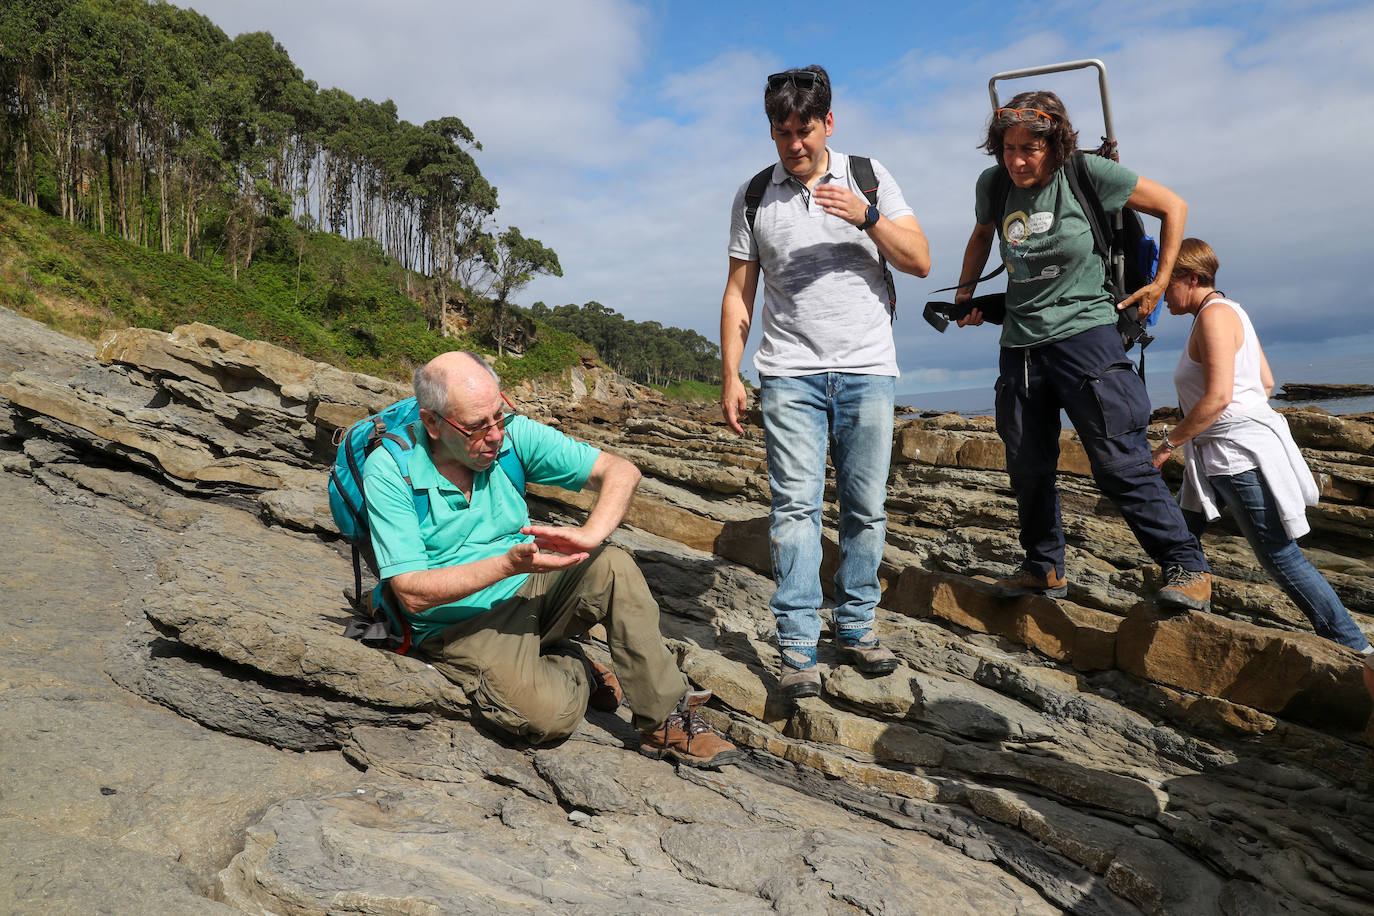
(1257, 516)
(1090, 378)
(853, 415)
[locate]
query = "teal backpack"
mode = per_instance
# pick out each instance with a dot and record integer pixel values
(381, 621)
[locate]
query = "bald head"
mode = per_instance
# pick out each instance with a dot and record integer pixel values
(454, 379)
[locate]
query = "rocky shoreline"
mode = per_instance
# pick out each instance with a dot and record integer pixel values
(1294, 391)
(1084, 755)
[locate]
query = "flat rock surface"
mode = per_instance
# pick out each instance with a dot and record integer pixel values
(109, 802)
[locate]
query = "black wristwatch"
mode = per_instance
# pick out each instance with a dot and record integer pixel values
(870, 218)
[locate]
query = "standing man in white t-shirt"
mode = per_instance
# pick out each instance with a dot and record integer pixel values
(827, 364)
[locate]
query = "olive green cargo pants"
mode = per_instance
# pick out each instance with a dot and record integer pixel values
(501, 657)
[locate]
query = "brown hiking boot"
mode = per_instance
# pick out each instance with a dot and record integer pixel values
(684, 737)
(1185, 588)
(796, 683)
(606, 692)
(1029, 582)
(866, 655)
(800, 677)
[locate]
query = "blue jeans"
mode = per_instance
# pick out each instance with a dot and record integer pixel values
(801, 414)
(1252, 506)
(1090, 378)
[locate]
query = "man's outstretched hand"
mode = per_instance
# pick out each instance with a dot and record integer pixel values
(569, 540)
(531, 557)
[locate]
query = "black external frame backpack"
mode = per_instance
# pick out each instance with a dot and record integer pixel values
(864, 177)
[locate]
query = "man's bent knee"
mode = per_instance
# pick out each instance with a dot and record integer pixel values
(612, 567)
(534, 717)
(618, 561)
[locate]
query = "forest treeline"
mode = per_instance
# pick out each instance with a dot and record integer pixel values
(642, 350)
(145, 121)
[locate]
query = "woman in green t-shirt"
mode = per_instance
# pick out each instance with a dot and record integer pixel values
(1060, 348)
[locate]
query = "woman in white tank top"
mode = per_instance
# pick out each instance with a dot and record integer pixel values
(1237, 450)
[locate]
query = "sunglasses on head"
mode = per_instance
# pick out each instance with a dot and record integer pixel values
(802, 79)
(1023, 114)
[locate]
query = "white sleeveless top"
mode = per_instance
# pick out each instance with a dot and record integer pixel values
(1247, 396)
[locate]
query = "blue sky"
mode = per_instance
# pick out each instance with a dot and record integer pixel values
(617, 133)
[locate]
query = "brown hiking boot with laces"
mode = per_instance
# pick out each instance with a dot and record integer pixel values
(684, 737)
(1185, 588)
(800, 677)
(1027, 581)
(866, 654)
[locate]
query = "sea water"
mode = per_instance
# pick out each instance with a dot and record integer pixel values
(1159, 381)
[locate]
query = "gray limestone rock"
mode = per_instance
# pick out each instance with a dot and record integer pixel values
(171, 543)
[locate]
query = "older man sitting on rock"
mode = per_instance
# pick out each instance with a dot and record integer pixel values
(492, 599)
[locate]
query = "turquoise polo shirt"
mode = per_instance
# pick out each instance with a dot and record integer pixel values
(455, 531)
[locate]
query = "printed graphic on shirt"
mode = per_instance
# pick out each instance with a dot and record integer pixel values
(1014, 227)
(1018, 229)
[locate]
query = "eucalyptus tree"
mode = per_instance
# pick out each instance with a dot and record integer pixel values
(455, 202)
(516, 261)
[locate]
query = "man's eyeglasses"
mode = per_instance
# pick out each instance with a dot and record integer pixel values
(1023, 114)
(478, 433)
(802, 79)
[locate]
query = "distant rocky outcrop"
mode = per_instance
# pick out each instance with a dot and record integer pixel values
(1089, 755)
(1295, 391)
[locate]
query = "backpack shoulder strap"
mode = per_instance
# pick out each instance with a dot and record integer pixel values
(1001, 190)
(515, 471)
(1105, 237)
(861, 167)
(754, 193)
(400, 447)
(1081, 183)
(864, 177)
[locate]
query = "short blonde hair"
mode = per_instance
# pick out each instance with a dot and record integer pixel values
(1196, 257)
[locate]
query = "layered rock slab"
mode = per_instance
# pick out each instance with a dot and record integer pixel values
(1233, 800)
(724, 842)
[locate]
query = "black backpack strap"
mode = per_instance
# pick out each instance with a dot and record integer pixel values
(754, 193)
(865, 177)
(1001, 191)
(1085, 192)
(867, 181)
(1081, 183)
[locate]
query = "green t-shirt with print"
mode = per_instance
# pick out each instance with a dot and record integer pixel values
(1055, 280)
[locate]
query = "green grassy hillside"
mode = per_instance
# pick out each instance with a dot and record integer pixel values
(328, 298)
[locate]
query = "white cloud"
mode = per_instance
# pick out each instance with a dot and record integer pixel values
(626, 165)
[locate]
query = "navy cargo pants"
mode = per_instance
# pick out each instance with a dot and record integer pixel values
(1089, 376)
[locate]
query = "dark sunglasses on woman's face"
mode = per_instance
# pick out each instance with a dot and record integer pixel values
(802, 79)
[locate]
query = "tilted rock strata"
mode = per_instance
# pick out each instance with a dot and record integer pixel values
(1084, 754)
